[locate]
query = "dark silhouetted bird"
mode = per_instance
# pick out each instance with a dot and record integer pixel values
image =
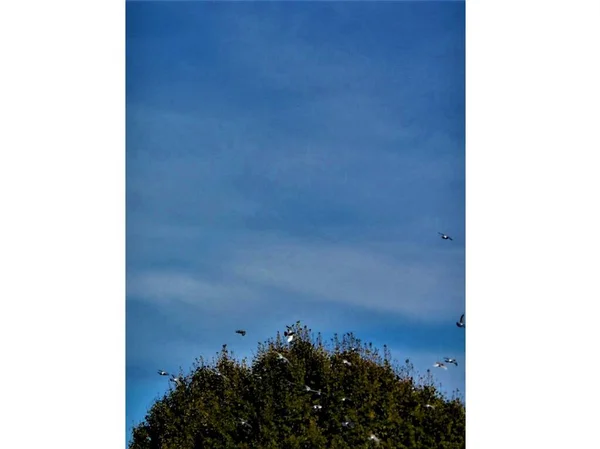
(445, 236)
(450, 360)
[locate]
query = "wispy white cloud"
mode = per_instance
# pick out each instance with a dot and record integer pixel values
(168, 286)
(352, 276)
(319, 272)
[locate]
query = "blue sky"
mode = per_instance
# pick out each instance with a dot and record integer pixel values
(293, 161)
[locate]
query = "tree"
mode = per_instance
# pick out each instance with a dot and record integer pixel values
(317, 396)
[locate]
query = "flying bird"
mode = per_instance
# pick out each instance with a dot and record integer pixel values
(445, 236)
(317, 407)
(346, 362)
(162, 372)
(220, 374)
(243, 422)
(348, 424)
(241, 332)
(429, 406)
(450, 360)
(440, 365)
(372, 437)
(281, 357)
(310, 390)
(177, 380)
(461, 322)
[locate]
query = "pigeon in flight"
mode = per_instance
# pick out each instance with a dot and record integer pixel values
(372, 437)
(346, 362)
(310, 390)
(450, 360)
(440, 365)
(281, 357)
(242, 332)
(177, 380)
(429, 406)
(220, 374)
(243, 422)
(348, 424)
(445, 236)
(461, 322)
(162, 372)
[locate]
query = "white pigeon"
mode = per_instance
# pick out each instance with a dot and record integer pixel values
(440, 365)
(243, 422)
(429, 406)
(221, 375)
(348, 424)
(346, 362)
(372, 437)
(162, 372)
(290, 338)
(310, 390)
(445, 236)
(281, 357)
(177, 380)
(461, 322)
(450, 360)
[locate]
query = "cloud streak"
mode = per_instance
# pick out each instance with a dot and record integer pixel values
(405, 284)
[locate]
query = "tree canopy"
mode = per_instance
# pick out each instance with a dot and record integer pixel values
(303, 394)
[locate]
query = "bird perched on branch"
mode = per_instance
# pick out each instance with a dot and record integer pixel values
(289, 335)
